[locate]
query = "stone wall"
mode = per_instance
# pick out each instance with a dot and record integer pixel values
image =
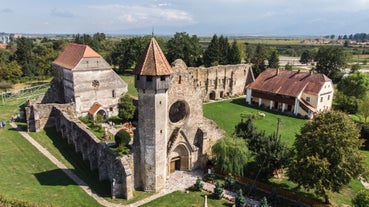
(222, 81)
(118, 170)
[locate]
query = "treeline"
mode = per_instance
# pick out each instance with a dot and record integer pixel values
(360, 37)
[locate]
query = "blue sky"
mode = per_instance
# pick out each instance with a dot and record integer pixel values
(201, 17)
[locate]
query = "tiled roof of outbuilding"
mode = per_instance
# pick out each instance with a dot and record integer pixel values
(153, 61)
(288, 83)
(73, 54)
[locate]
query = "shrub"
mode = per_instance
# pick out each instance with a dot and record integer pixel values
(361, 199)
(240, 199)
(122, 138)
(198, 184)
(229, 182)
(218, 191)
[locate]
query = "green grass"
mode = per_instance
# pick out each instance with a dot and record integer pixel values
(129, 79)
(191, 199)
(64, 152)
(228, 113)
(25, 174)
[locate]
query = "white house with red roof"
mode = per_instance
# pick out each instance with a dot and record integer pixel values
(83, 77)
(294, 92)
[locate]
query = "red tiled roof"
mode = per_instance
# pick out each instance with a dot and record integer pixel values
(153, 61)
(73, 54)
(3, 45)
(94, 108)
(288, 83)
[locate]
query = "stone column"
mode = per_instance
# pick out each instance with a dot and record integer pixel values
(271, 105)
(248, 96)
(283, 107)
(296, 109)
(260, 101)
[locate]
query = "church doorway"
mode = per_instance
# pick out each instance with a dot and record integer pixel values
(179, 159)
(212, 95)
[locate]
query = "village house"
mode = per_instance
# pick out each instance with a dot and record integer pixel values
(292, 92)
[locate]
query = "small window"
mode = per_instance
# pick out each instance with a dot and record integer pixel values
(321, 99)
(111, 108)
(149, 78)
(308, 99)
(329, 97)
(113, 93)
(162, 78)
(179, 79)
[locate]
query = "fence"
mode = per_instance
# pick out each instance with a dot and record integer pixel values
(25, 93)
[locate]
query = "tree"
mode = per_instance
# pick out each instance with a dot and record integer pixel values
(184, 47)
(288, 66)
(348, 104)
(24, 56)
(218, 190)
(272, 154)
(330, 60)
(240, 199)
(361, 199)
(264, 202)
(356, 84)
(363, 107)
(307, 57)
(273, 60)
(234, 55)
(10, 71)
(258, 60)
(328, 155)
(126, 108)
(212, 54)
(230, 155)
(248, 132)
(223, 50)
(122, 138)
(127, 52)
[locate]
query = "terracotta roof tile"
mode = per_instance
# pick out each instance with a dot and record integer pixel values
(289, 83)
(94, 108)
(153, 61)
(73, 54)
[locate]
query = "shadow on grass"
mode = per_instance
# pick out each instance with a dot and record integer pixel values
(81, 167)
(54, 178)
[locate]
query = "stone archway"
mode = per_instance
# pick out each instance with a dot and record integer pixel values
(102, 113)
(212, 95)
(179, 159)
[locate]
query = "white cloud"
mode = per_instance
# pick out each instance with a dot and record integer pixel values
(152, 15)
(61, 13)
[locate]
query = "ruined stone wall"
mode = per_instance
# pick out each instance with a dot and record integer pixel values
(222, 81)
(190, 134)
(118, 170)
(110, 167)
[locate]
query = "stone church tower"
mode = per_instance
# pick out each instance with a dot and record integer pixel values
(152, 79)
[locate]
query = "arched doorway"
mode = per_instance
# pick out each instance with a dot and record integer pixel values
(101, 113)
(179, 159)
(212, 95)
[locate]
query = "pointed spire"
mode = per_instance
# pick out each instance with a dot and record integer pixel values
(153, 62)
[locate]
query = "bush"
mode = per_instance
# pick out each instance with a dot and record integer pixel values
(198, 184)
(218, 191)
(240, 199)
(122, 138)
(361, 199)
(229, 182)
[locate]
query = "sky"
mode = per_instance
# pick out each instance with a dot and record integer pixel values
(200, 17)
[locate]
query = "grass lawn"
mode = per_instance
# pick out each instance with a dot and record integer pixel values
(228, 113)
(25, 174)
(192, 199)
(129, 79)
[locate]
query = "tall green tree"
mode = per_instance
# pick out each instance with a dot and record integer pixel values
(224, 50)
(363, 107)
(247, 131)
(307, 57)
(126, 108)
(212, 53)
(24, 56)
(127, 52)
(355, 84)
(10, 71)
(272, 154)
(231, 155)
(331, 60)
(186, 48)
(273, 60)
(234, 55)
(258, 60)
(328, 155)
